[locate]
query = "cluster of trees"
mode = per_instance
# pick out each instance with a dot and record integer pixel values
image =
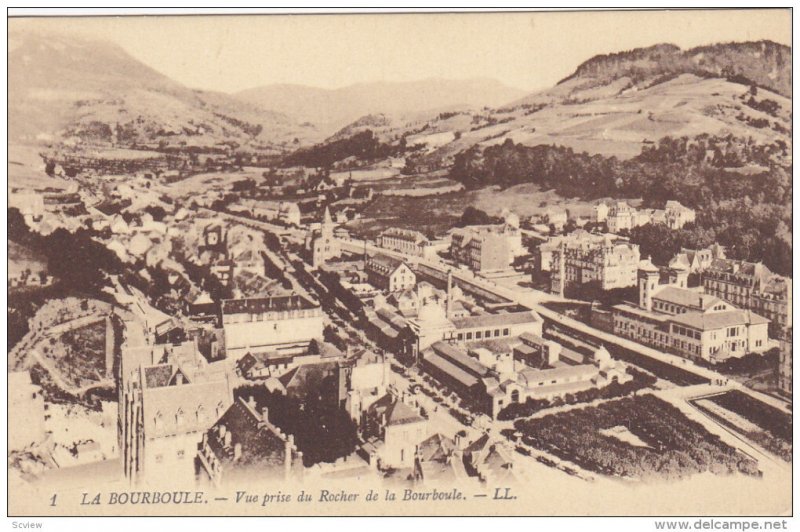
(775, 427)
(593, 291)
(363, 145)
(675, 446)
(760, 63)
(79, 263)
(749, 364)
(473, 216)
(666, 371)
(748, 210)
(322, 431)
(765, 416)
(201, 276)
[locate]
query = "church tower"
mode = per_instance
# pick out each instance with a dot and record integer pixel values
(648, 282)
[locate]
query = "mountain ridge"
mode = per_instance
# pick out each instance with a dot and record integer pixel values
(333, 109)
(89, 90)
(720, 60)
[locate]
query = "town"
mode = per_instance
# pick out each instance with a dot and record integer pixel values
(437, 295)
(241, 333)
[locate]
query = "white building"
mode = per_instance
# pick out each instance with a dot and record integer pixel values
(281, 324)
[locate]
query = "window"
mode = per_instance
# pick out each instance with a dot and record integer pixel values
(478, 335)
(181, 454)
(505, 332)
(497, 332)
(460, 336)
(469, 336)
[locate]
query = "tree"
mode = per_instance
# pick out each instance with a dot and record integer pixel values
(473, 216)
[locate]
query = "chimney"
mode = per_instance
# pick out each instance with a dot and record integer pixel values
(237, 452)
(265, 414)
(449, 309)
(223, 430)
(251, 402)
(287, 459)
(227, 440)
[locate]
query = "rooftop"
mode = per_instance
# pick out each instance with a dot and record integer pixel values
(260, 305)
(459, 358)
(409, 234)
(451, 369)
(495, 320)
(686, 297)
(582, 370)
(718, 320)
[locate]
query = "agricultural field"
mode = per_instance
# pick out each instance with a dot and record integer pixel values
(431, 215)
(26, 169)
(431, 204)
(529, 199)
(761, 423)
(639, 438)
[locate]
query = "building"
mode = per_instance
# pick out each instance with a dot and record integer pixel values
(441, 460)
(486, 248)
(491, 381)
(490, 461)
(389, 274)
(697, 260)
(25, 411)
(600, 213)
(404, 241)
(272, 364)
(677, 215)
(169, 396)
(785, 363)
(289, 213)
(456, 370)
(536, 352)
(687, 322)
(584, 258)
(214, 239)
(555, 378)
(556, 217)
(243, 446)
(621, 216)
(754, 287)
(365, 378)
(432, 325)
(285, 212)
(321, 245)
(393, 432)
(284, 325)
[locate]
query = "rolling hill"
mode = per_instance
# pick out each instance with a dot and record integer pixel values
(332, 109)
(67, 88)
(615, 104)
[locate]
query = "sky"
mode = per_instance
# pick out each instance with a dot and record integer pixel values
(524, 50)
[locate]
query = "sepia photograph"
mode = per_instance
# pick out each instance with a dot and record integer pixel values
(432, 263)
